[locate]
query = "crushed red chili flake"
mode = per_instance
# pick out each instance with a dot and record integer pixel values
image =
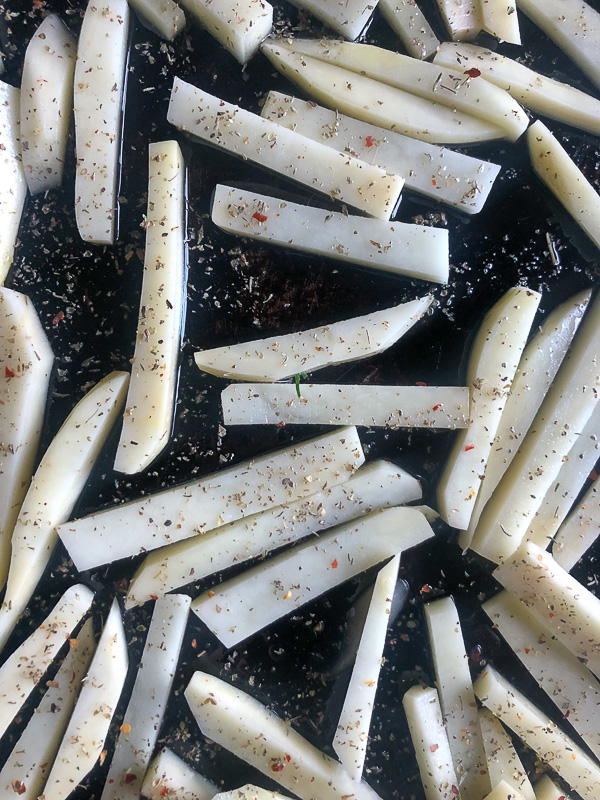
(130, 778)
(8, 373)
(277, 767)
(593, 475)
(473, 72)
(334, 563)
(210, 593)
(288, 758)
(60, 316)
(369, 141)
(437, 407)
(433, 182)
(19, 787)
(164, 792)
(420, 383)
(259, 217)
(153, 597)
(433, 747)
(469, 447)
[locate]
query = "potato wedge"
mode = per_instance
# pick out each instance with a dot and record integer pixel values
(500, 18)
(13, 187)
(503, 762)
(163, 17)
(580, 530)
(411, 26)
(169, 776)
(462, 18)
(240, 25)
(547, 789)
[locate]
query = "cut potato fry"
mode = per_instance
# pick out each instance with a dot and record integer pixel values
(437, 173)
(169, 776)
(163, 17)
(23, 669)
(493, 362)
(580, 531)
(13, 187)
(500, 18)
(410, 24)
(505, 791)
(151, 397)
(352, 734)
(241, 724)
(250, 792)
(54, 491)
(376, 485)
(335, 404)
(546, 789)
(538, 732)
(199, 506)
(238, 608)
(348, 18)
(455, 689)
(286, 152)
(502, 760)
(238, 25)
(430, 741)
(462, 18)
(100, 75)
(418, 251)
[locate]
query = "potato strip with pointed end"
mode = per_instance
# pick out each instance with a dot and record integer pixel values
(376, 485)
(580, 531)
(46, 103)
(258, 140)
(86, 733)
(493, 362)
(537, 368)
(231, 718)
(411, 26)
(163, 17)
(99, 96)
(148, 702)
(546, 789)
(239, 26)
(169, 776)
(502, 760)
(238, 608)
(55, 488)
(570, 402)
(348, 18)
(250, 792)
(32, 756)
(296, 471)
(430, 741)
(537, 731)
(151, 397)
(566, 681)
(457, 700)
(378, 103)
(23, 669)
(504, 791)
(500, 18)
(13, 187)
(352, 734)
(438, 173)
(462, 18)
(278, 357)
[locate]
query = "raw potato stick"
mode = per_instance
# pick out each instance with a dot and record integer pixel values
(502, 760)
(238, 25)
(238, 608)
(26, 769)
(335, 404)
(13, 187)
(23, 669)
(100, 75)
(493, 362)
(461, 17)
(279, 357)
(163, 17)
(430, 741)
(352, 733)
(55, 488)
(169, 776)
(437, 173)
(500, 18)
(505, 791)
(46, 103)
(546, 789)
(580, 530)
(148, 701)
(538, 732)
(250, 792)
(238, 722)
(417, 251)
(376, 485)
(455, 689)
(348, 18)
(411, 26)
(206, 503)
(258, 140)
(151, 396)
(86, 733)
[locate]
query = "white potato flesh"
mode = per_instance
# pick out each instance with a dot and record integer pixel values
(537, 731)
(163, 17)
(25, 365)
(502, 760)
(455, 689)
(169, 776)
(335, 404)
(46, 103)
(352, 733)
(547, 789)
(258, 140)
(55, 488)
(417, 251)
(543, 95)
(580, 530)
(462, 18)
(24, 668)
(250, 792)
(99, 96)
(493, 362)
(562, 176)
(411, 26)
(439, 174)
(296, 471)
(32, 756)
(348, 18)
(564, 413)
(505, 791)
(238, 608)
(281, 357)
(151, 396)
(561, 604)
(148, 701)
(566, 681)
(241, 724)
(537, 368)
(13, 187)
(86, 733)
(376, 485)
(430, 741)
(378, 103)
(500, 18)
(239, 26)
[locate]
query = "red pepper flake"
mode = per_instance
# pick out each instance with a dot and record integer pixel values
(8, 373)
(433, 182)
(469, 447)
(130, 778)
(288, 758)
(194, 644)
(334, 563)
(437, 408)
(426, 588)
(566, 714)
(473, 72)
(420, 383)
(163, 792)
(277, 767)
(593, 475)
(433, 747)
(125, 728)
(259, 217)
(153, 597)
(19, 787)
(476, 653)
(369, 141)
(551, 616)
(527, 651)
(60, 316)
(210, 593)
